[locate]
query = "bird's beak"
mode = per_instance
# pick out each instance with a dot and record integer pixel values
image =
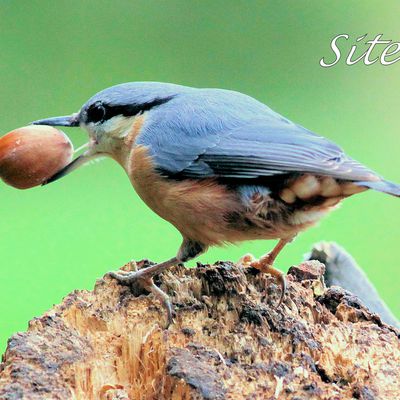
(67, 120)
(73, 165)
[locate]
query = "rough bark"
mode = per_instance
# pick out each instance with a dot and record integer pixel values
(228, 342)
(342, 270)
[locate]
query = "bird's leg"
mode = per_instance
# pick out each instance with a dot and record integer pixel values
(266, 262)
(144, 277)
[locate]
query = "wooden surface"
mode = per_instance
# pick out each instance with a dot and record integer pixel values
(228, 342)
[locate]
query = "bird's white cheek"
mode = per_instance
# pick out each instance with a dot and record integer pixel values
(92, 132)
(116, 127)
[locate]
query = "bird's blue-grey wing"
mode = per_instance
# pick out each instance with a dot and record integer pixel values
(256, 150)
(261, 149)
(202, 142)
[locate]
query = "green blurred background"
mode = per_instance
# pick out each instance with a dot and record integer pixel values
(56, 54)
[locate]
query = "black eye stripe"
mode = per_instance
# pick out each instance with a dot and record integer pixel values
(99, 112)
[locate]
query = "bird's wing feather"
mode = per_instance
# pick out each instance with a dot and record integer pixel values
(253, 149)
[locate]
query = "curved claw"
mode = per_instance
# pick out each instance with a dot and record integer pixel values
(280, 277)
(262, 266)
(282, 280)
(165, 301)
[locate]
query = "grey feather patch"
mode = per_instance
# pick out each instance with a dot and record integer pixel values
(382, 186)
(213, 133)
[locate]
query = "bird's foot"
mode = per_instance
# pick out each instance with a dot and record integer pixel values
(144, 279)
(265, 265)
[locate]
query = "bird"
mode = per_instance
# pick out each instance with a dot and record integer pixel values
(219, 165)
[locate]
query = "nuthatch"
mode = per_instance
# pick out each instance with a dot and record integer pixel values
(217, 164)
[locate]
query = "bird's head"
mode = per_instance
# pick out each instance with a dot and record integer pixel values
(109, 115)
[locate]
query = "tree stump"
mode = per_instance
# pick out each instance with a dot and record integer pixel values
(228, 341)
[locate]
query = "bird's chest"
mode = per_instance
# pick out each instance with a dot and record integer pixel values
(197, 208)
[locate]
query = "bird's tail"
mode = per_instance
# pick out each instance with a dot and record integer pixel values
(382, 186)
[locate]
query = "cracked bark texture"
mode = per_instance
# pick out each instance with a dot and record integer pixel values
(228, 342)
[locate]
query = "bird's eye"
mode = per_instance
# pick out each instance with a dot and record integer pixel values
(96, 113)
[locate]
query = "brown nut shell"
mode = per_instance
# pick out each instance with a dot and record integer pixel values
(32, 154)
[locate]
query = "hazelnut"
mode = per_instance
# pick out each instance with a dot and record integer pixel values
(32, 154)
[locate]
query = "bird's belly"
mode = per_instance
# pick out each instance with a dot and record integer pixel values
(210, 213)
(198, 209)
(213, 213)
